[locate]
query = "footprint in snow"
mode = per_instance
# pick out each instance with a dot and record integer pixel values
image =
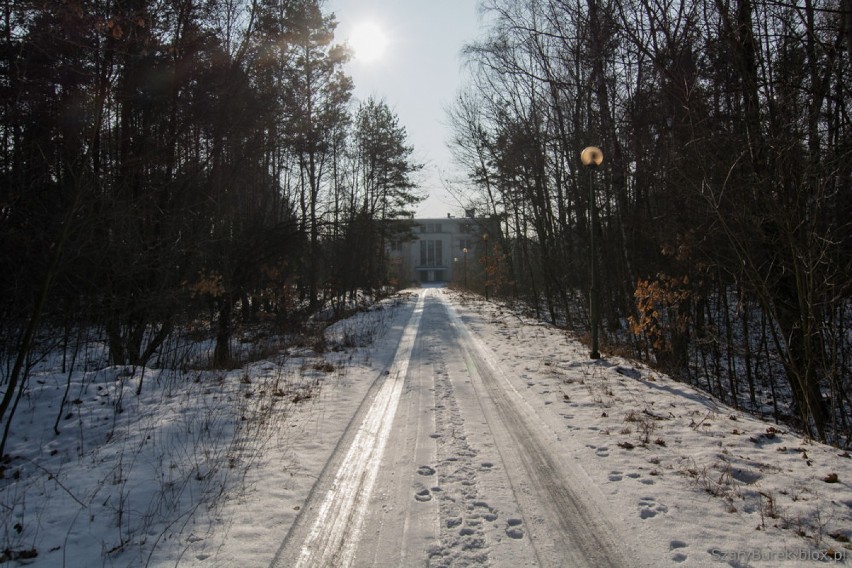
(490, 515)
(425, 470)
(678, 556)
(514, 530)
(423, 495)
(615, 476)
(649, 508)
(602, 452)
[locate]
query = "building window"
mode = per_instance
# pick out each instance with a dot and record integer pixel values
(431, 253)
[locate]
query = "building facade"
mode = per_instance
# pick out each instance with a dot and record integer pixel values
(442, 250)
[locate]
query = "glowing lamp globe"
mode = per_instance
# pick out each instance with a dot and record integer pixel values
(592, 156)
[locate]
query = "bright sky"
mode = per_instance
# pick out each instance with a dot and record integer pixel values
(418, 73)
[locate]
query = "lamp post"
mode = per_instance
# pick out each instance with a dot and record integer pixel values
(592, 157)
(485, 258)
(464, 262)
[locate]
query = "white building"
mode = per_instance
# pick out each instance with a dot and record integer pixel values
(442, 250)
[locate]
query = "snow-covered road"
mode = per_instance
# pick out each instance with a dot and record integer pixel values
(467, 434)
(434, 429)
(447, 464)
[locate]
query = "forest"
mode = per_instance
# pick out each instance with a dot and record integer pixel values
(173, 167)
(722, 233)
(168, 165)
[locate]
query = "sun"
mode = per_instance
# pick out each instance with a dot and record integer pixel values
(368, 41)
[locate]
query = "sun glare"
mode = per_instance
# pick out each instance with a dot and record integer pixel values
(368, 41)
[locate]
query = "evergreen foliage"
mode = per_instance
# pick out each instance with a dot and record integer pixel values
(164, 163)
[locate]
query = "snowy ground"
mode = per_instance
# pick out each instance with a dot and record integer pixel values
(210, 468)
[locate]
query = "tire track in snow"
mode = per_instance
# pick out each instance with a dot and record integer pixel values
(572, 531)
(334, 535)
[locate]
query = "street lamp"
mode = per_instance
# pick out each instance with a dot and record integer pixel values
(592, 157)
(485, 258)
(464, 250)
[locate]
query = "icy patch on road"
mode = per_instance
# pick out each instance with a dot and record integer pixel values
(334, 537)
